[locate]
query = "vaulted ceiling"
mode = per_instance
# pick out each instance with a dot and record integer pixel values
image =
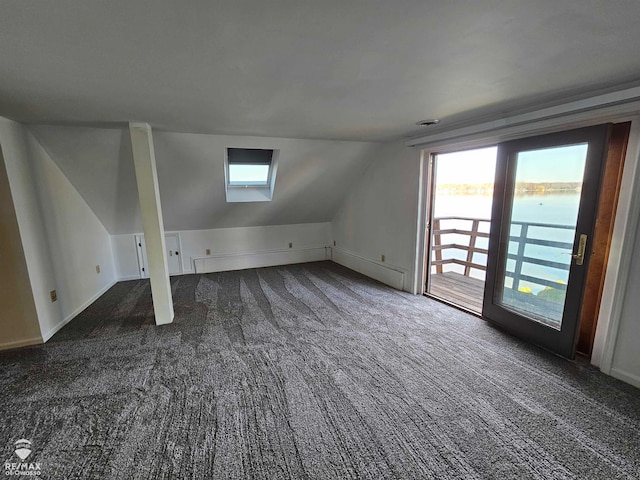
(330, 69)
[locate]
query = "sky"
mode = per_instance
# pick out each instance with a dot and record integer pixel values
(558, 164)
(239, 173)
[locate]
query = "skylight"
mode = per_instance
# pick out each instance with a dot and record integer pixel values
(247, 174)
(250, 174)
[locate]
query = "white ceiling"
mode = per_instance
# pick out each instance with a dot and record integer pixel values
(313, 178)
(329, 69)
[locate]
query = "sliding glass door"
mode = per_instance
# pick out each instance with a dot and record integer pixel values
(460, 215)
(544, 209)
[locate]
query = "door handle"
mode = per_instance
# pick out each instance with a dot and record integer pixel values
(582, 248)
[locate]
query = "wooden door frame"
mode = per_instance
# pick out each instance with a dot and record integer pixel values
(431, 185)
(600, 246)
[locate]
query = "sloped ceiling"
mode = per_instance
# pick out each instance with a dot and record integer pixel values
(99, 164)
(327, 69)
(314, 177)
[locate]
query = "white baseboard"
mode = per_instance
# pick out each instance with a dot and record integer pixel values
(138, 277)
(129, 277)
(52, 331)
(268, 258)
(627, 377)
(21, 343)
(387, 274)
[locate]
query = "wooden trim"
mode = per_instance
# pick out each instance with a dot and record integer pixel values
(472, 233)
(472, 246)
(437, 241)
(430, 161)
(601, 242)
(459, 246)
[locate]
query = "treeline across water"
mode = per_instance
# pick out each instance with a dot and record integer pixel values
(522, 188)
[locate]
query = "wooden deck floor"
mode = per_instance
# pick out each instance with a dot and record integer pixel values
(458, 289)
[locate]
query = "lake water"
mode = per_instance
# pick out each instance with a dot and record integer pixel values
(555, 209)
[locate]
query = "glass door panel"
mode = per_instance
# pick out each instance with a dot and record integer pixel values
(544, 208)
(542, 224)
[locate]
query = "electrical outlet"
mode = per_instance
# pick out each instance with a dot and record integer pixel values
(382, 258)
(290, 245)
(54, 295)
(207, 251)
(97, 268)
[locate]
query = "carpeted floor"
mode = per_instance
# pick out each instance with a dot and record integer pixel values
(307, 372)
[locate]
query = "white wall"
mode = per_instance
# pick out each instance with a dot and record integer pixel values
(63, 240)
(125, 256)
(18, 318)
(78, 242)
(626, 358)
(30, 222)
(379, 217)
(226, 242)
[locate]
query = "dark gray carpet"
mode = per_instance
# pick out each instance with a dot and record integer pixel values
(307, 372)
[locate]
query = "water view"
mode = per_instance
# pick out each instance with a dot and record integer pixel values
(534, 208)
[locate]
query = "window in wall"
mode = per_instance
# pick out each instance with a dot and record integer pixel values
(250, 174)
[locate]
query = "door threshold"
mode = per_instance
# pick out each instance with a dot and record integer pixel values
(454, 305)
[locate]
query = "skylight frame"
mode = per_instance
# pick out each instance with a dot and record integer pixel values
(250, 191)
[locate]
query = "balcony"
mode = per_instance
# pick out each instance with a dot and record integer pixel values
(536, 271)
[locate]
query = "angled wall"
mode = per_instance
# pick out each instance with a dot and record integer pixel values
(77, 240)
(99, 165)
(28, 212)
(62, 239)
(379, 218)
(19, 319)
(314, 177)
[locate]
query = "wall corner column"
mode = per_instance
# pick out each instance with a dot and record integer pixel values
(151, 210)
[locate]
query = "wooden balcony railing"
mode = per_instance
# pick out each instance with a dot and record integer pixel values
(522, 239)
(470, 247)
